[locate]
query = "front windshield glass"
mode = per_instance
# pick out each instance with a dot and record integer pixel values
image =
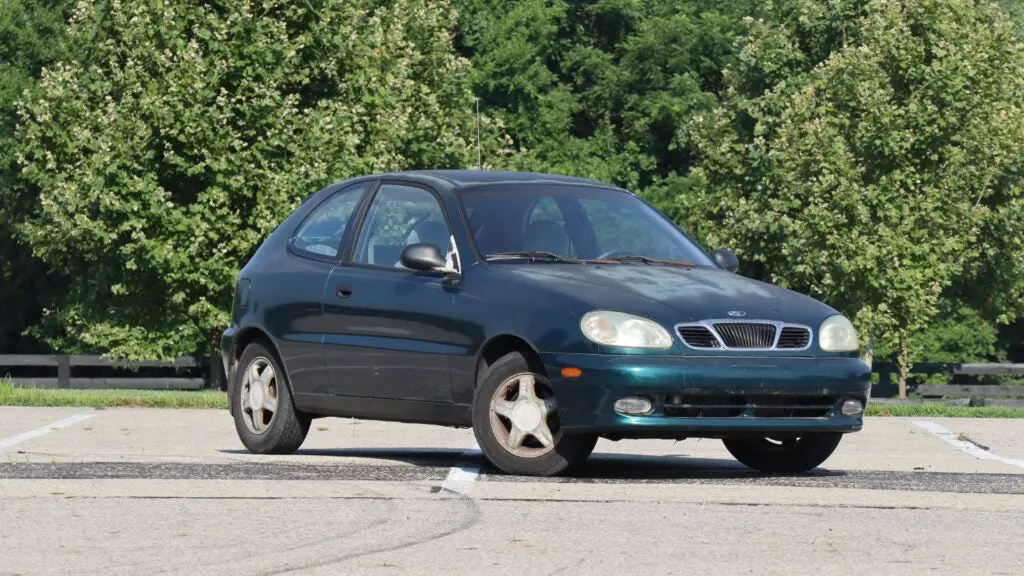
(574, 222)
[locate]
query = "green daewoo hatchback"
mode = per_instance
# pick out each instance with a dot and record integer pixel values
(544, 312)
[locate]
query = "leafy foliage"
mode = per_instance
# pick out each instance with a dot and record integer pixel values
(183, 135)
(31, 36)
(959, 334)
(865, 151)
(868, 152)
(599, 89)
(1015, 10)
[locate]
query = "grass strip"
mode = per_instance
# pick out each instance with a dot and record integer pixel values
(935, 410)
(17, 396)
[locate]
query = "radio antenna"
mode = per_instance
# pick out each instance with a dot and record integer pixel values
(479, 161)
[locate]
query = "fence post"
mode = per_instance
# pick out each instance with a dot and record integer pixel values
(885, 385)
(63, 371)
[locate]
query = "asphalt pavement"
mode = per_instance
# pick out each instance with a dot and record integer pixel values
(140, 491)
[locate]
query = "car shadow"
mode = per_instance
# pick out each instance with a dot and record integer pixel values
(425, 457)
(600, 466)
(619, 466)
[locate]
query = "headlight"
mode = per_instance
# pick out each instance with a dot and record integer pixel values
(625, 330)
(837, 334)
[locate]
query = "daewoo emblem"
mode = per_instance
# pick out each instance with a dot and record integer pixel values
(736, 313)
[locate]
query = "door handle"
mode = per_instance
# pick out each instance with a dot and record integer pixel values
(344, 291)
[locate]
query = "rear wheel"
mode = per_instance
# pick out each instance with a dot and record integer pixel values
(515, 419)
(784, 454)
(265, 417)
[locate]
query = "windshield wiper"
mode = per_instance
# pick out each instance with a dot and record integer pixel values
(649, 261)
(530, 255)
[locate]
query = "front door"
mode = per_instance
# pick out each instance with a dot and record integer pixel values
(388, 327)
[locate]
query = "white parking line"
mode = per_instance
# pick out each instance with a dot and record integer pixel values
(12, 440)
(971, 448)
(463, 474)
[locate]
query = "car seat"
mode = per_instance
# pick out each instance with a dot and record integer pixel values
(547, 236)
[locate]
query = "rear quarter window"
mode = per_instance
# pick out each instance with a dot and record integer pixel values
(322, 231)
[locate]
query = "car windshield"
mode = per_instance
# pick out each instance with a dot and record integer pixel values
(574, 223)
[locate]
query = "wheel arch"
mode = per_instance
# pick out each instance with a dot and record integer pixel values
(501, 344)
(245, 337)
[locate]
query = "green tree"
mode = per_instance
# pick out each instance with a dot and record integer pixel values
(185, 131)
(869, 152)
(599, 89)
(958, 334)
(31, 37)
(1015, 9)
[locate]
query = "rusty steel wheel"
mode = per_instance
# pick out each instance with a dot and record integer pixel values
(520, 409)
(517, 425)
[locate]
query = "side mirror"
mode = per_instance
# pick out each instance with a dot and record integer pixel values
(726, 259)
(425, 257)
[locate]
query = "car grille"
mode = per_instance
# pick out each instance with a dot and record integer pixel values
(699, 337)
(748, 335)
(794, 337)
(697, 405)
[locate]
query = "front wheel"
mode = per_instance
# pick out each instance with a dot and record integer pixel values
(789, 454)
(515, 420)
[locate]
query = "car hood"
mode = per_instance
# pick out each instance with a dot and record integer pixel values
(671, 294)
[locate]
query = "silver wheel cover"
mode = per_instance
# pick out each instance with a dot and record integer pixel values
(259, 395)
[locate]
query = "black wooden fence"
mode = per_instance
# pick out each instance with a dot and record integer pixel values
(92, 372)
(888, 373)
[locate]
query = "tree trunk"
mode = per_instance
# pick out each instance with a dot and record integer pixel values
(903, 359)
(868, 352)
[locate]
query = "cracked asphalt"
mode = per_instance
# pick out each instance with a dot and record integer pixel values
(135, 491)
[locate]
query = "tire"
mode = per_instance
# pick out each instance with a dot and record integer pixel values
(511, 373)
(788, 455)
(286, 428)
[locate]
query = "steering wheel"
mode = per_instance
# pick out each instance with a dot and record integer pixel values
(613, 254)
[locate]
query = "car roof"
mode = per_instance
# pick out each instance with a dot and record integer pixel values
(469, 178)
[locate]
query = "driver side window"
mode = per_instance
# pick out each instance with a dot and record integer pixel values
(323, 230)
(400, 216)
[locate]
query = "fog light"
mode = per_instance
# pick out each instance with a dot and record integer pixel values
(633, 405)
(851, 407)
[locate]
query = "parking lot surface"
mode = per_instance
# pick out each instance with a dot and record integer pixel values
(142, 491)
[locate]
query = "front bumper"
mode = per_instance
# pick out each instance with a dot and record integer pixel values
(751, 387)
